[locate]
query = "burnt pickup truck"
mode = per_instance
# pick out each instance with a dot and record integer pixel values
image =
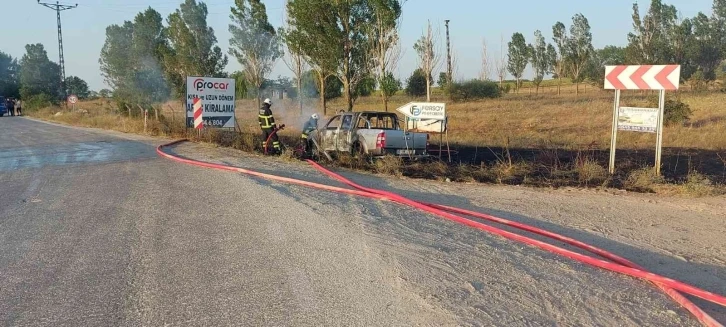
(372, 134)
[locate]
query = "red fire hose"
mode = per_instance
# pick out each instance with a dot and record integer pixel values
(621, 265)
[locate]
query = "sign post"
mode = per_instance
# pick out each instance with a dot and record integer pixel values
(649, 120)
(72, 99)
(210, 102)
(427, 117)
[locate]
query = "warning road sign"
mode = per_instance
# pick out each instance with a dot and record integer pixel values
(72, 99)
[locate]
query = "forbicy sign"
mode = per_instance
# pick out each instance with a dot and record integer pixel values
(217, 96)
(424, 110)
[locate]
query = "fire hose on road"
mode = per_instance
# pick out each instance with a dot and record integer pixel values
(669, 286)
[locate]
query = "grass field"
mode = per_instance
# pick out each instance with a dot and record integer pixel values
(535, 139)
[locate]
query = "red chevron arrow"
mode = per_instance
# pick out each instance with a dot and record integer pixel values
(662, 77)
(637, 77)
(613, 77)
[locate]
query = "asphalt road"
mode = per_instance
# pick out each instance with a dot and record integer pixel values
(96, 230)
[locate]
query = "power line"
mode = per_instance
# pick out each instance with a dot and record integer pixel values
(61, 62)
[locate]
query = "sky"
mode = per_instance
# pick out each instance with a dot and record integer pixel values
(471, 22)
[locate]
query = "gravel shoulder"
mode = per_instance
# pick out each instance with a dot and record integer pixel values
(479, 279)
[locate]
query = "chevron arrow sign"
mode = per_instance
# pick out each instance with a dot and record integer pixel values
(642, 77)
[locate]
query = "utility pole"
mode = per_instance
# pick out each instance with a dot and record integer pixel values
(448, 54)
(61, 62)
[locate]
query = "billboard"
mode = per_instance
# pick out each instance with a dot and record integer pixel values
(217, 96)
(424, 110)
(638, 119)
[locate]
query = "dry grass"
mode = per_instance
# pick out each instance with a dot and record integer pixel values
(542, 140)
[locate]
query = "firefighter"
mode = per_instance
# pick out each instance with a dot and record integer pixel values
(310, 126)
(267, 123)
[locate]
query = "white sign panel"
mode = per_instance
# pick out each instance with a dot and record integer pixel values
(217, 96)
(638, 119)
(424, 110)
(426, 125)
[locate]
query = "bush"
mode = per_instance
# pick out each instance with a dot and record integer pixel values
(675, 111)
(39, 101)
(505, 88)
(474, 90)
(643, 180)
(416, 84)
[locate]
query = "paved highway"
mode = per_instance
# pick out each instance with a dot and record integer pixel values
(96, 230)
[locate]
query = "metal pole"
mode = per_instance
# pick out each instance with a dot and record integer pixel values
(61, 61)
(448, 54)
(659, 137)
(614, 135)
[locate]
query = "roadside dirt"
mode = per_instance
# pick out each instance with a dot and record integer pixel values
(478, 279)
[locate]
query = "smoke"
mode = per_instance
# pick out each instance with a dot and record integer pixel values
(287, 111)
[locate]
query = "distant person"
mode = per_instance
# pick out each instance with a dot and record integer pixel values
(19, 107)
(268, 126)
(310, 126)
(11, 107)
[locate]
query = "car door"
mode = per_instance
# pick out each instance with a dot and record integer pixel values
(330, 134)
(344, 137)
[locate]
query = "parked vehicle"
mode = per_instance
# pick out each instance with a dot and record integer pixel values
(3, 106)
(373, 134)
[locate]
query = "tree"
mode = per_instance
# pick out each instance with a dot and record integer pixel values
(429, 57)
(365, 87)
(240, 84)
(651, 41)
(518, 57)
(104, 93)
(312, 25)
(192, 47)
(9, 79)
(608, 56)
(75, 85)
(540, 57)
(131, 59)
(384, 47)
(416, 85)
(501, 64)
(484, 73)
(389, 85)
(294, 59)
(312, 86)
(254, 42)
(443, 80)
(559, 68)
(38, 75)
(579, 48)
(704, 49)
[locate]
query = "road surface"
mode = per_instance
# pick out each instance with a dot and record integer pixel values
(96, 230)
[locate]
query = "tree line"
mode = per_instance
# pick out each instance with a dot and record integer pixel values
(660, 36)
(349, 49)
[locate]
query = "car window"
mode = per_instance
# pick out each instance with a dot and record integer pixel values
(383, 122)
(347, 121)
(363, 122)
(333, 124)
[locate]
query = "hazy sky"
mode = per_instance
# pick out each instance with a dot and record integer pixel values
(25, 21)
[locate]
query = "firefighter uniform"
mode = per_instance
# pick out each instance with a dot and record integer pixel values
(267, 124)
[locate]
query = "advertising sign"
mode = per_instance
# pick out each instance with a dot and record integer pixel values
(426, 125)
(638, 119)
(424, 110)
(216, 95)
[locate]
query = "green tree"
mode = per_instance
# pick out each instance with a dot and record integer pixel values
(651, 40)
(9, 79)
(428, 58)
(559, 36)
(442, 80)
(312, 25)
(365, 87)
(75, 85)
(390, 85)
(608, 56)
(240, 84)
(540, 58)
(312, 86)
(416, 84)
(580, 48)
(518, 57)
(705, 50)
(131, 59)
(105, 93)
(254, 41)
(384, 41)
(38, 75)
(192, 47)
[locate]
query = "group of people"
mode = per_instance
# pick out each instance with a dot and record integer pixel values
(270, 128)
(15, 106)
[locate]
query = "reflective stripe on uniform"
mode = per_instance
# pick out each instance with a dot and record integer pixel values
(267, 123)
(304, 136)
